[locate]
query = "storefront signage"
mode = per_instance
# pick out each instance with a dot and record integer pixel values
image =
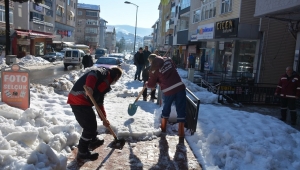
(64, 33)
(194, 37)
(23, 41)
(15, 86)
(227, 28)
(205, 31)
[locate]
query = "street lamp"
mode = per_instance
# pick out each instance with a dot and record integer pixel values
(126, 2)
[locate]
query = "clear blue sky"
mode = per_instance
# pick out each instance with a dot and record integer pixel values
(116, 12)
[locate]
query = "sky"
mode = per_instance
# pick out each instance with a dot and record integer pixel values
(41, 136)
(116, 12)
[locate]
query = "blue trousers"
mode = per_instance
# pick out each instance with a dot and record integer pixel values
(138, 71)
(180, 102)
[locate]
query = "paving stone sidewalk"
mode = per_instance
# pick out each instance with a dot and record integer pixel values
(164, 153)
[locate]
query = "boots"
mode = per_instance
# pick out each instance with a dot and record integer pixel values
(87, 155)
(95, 143)
(181, 129)
(163, 124)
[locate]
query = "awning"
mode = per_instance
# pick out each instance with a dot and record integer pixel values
(22, 33)
(56, 42)
(40, 35)
(71, 13)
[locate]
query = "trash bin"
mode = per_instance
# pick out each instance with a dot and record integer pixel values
(11, 59)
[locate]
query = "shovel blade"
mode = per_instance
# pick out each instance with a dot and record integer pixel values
(132, 109)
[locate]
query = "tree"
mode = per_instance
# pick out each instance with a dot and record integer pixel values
(121, 44)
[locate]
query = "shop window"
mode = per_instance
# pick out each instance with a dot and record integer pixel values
(226, 6)
(246, 56)
(39, 48)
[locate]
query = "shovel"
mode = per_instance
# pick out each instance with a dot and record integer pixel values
(118, 143)
(133, 107)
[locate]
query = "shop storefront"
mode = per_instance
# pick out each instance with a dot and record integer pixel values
(31, 42)
(234, 55)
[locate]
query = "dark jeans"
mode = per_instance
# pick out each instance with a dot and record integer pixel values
(152, 92)
(86, 118)
(180, 103)
(288, 103)
(138, 71)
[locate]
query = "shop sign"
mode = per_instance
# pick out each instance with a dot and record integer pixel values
(15, 86)
(205, 31)
(23, 41)
(206, 66)
(192, 49)
(194, 37)
(227, 28)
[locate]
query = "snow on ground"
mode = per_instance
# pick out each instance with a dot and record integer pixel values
(41, 137)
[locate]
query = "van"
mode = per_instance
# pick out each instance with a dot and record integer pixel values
(73, 58)
(100, 52)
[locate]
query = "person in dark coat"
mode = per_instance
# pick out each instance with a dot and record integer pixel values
(99, 83)
(289, 90)
(191, 61)
(163, 71)
(87, 60)
(145, 75)
(139, 62)
(146, 54)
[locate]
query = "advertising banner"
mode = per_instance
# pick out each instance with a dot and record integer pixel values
(205, 31)
(15, 86)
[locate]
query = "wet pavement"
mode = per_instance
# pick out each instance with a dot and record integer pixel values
(166, 152)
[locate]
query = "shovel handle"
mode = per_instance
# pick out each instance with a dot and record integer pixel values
(100, 114)
(140, 94)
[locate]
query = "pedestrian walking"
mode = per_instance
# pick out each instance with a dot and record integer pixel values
(191, 61)
(87, 60)
(289, 90)
(139, 63)
(98, 83)
(163, 71)
(146, 54)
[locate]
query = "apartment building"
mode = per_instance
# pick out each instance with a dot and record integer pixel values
(155, 34)
(2, 22)
(88, 25)
(102, 33)
(34, 26)
(110, 39)
(280, 38)
(148, 41)
(64, 27)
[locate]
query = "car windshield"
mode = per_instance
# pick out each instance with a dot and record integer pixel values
(110, 61)
(99, 52)
(51, 53)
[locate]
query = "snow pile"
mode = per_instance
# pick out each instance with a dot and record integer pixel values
(31, 60)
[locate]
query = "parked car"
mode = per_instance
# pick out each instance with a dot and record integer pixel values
(100, 52)
(118, 55)
(73, 57)
(53, 56)
(108, 62)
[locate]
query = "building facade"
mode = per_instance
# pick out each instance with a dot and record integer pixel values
(110, 39)
(64, 26)
(102, 33)
(2, 23)
(34, 26)
(88, 25)
(148, 41)
(280, 38)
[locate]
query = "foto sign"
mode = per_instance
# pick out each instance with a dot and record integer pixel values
(15, 86)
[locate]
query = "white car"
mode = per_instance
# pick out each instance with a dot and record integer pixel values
(73, 58)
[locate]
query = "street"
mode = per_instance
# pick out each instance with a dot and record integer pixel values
(48, 74)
